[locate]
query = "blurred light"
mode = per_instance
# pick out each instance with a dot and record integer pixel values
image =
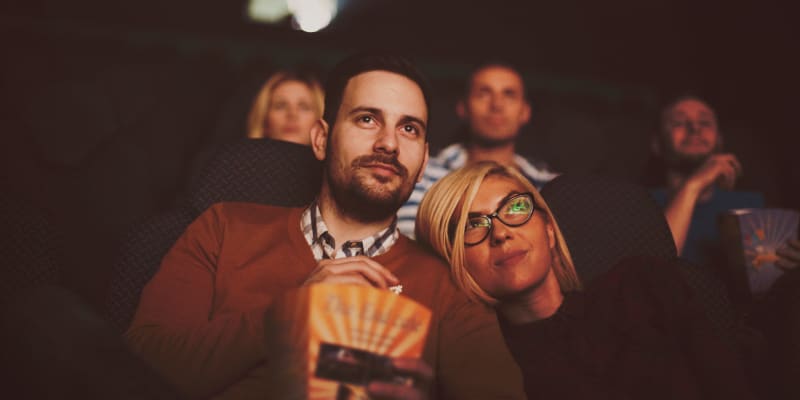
(270, 11)
(312, 15)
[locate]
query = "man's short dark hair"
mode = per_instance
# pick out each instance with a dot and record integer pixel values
(493, 63)
(365, 62)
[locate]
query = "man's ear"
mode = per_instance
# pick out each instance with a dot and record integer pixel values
(319, 138)
(424, 164)
(461, 109)
(526, 114)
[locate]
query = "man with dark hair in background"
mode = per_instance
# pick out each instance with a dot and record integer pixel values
(494, 108)
(200, 322)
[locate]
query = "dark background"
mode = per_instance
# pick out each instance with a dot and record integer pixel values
(107, 106)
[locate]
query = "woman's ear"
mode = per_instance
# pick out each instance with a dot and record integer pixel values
(551, 236)
(319, 138)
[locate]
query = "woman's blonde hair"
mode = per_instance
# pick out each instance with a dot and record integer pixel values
(443, 214)
(258, 112)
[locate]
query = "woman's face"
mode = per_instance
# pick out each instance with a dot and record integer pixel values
(511, 259)
(290, 114)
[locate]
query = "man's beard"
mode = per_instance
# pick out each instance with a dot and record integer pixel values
(357, 200)
(686, 164)
(490, 143)
(483, 141)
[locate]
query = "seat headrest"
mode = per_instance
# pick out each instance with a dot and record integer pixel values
(605, 220)
(262, 171)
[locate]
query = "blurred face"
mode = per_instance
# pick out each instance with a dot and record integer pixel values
(495, 107)
(691, 129)
(290, 114)
(512, 260)
(377, 149)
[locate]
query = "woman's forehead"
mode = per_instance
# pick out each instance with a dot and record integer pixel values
(493, 190)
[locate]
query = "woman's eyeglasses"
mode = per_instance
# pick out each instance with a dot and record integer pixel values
(515, 211)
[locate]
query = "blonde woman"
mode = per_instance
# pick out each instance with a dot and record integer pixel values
(286, 107)
(633, 333)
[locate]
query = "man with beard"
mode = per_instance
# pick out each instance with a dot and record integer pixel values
(699, 179)
(494, 109)
(200, 322)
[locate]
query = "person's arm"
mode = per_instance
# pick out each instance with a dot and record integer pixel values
(474, 362)
(721, 169)
(173, 329)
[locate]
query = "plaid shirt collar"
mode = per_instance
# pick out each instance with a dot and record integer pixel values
(323, 245)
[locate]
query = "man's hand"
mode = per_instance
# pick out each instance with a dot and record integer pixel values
(789, 256)
(722, 169)
(417, 388)
(359, 270)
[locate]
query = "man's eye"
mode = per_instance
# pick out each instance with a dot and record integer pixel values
(410, 129)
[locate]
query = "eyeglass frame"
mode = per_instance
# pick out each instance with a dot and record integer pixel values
(496, 214)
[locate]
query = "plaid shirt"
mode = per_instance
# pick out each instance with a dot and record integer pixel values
(323, 245)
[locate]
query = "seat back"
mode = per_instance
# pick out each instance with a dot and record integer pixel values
(30, 246)
(605, 220)
(253, 170)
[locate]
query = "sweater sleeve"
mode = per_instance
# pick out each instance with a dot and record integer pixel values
(174, 330)
(474, 362)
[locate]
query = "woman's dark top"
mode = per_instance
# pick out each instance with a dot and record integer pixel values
(633, 333)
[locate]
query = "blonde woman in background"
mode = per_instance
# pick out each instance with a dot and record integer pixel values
(632, 333)
(286, 107)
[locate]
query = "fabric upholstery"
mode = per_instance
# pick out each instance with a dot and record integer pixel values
(605, 220)
(29, 247)
(253, 170)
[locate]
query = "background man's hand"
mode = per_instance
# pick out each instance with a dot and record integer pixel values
(789, 256)
(722, 169)
(418, 370)
(359, 270)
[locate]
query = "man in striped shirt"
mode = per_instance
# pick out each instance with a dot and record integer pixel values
(494, 108)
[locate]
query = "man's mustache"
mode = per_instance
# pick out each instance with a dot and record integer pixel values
(386, 159)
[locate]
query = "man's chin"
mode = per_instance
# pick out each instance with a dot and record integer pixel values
(492, 140)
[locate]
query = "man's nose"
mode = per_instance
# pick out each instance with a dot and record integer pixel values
(692, 127)
(496, 103)
(386, 142)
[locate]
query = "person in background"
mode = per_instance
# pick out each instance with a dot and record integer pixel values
(286, 107)
(700, 177)
(494, 108)
(201, 319)
(634, 332)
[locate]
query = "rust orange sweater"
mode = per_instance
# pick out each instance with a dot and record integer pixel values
(200, 319)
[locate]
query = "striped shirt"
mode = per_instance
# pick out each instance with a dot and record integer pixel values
(323, 244)
(450, 159)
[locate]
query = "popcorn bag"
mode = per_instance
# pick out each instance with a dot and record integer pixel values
(751, 238)
(329, 341)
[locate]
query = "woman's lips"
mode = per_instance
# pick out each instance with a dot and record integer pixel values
(511, 258)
